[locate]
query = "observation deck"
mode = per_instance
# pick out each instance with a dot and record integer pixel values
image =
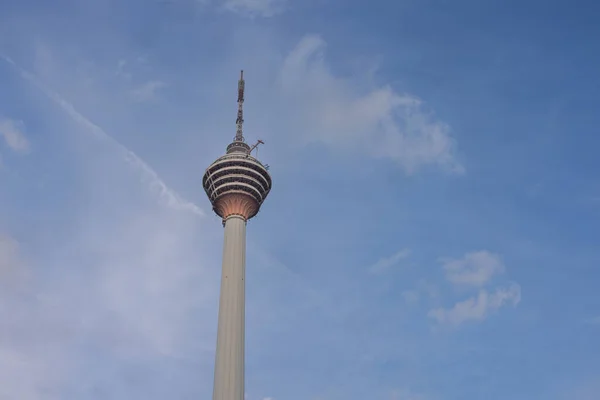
(237, 183)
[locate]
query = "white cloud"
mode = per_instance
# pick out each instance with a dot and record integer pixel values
(12, 132)
(147, 91)
(378, 122)
(475, 268)
(43, 369)
(478, 307)
(386, 263)
(253, 8)
(152, 310)
(135, 288)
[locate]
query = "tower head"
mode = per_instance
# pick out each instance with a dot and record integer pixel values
(237, 183)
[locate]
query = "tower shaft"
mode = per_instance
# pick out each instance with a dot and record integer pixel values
(229, 360)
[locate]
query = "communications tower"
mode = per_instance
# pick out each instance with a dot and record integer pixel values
(236, 185)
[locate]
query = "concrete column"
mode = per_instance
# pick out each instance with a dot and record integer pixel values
(229, 363)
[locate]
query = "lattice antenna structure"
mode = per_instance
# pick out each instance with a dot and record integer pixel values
(239, 122)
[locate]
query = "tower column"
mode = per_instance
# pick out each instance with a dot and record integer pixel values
(236, 184)
(229, 362)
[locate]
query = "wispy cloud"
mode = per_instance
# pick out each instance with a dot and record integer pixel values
(478, 307)
(379, 122)
(384, 264)
(255, 8)
(147, 91)
(13, 134)
(423, 290)
(120, 71)
(142, 293)
(411, 296)
(476, 268)
(22, 320)
(168, 196)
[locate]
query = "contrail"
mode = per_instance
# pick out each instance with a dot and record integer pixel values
(166, 194)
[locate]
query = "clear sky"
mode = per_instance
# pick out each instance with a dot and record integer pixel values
(432, 232)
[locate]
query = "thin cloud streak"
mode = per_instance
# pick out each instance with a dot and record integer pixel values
(167, 195)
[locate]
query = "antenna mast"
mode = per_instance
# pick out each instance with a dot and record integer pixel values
(239, 137)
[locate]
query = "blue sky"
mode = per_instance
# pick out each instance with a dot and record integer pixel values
(432, 229)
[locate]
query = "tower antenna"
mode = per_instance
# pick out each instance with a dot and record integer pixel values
(239, 136)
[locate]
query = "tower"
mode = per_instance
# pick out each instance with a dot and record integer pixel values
(236, 185)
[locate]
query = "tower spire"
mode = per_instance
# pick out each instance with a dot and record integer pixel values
(239, 137)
